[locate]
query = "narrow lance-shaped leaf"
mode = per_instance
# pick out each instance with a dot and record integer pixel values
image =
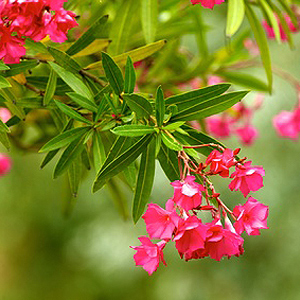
(170, 142)
(235, 16)
(65, 60)
(71, 80)
(210, 107)
(136, 55)
(113, 73)
(65, 138)
(140, 105)
(51, 87)
(83, 102)
(95, 31)
(159, 107)
(133, 130)
(121, 162)
(23, 66)
(262, 42)
(71, 113)
(68, 156)
(4, 140)
(4, 83)
(3, 127)
(74, 175)
(130, 77)
(98, 151)
(149, 15)
(144, 181)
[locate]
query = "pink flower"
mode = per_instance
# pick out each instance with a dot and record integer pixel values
(190, 236)
(60, 24)
(247, 134)
(287, 124)
(283, 36)
(247, 178)
(219, 126)
(222, 242)
(160, 223)
(55, 4)
(221, 162)
(149, 255)
(5, 164)
(11, 47)
(207, 3)
(251, 46)
(251, 217)
(187, 194)
(5, 114)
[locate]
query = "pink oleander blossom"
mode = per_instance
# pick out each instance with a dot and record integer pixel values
(222, 242)
(60, 24)
(221, 162)
(247, 134)
(5, 114)
(149, 255)
(55, 4)
(247, 178)
(160, 223)
(251, 217)
(187, 194)
(207, 3)
(271, 33)
(190, 236)
(5, 164)
(287, 124)
(219, 126)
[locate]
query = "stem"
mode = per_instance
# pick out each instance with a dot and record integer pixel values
(205, 145)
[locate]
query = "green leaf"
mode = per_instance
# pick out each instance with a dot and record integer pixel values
(136, 55)
(171, 142)
(89, 36)
(71, 80)
(130, 77)
(120, 29)
(262, 43)
(210, 107)
(48, 158)
(4, 83)
(4, 140)
(173, 126)
(68, 156)
(245, 80)
(271, 18)
(121, 162)
(74, 175)
(23, 66)
(83, 102)
(159, 107)
(235, 16)
(35, 103)
(149, 16)
(51, 87)
(98, 151)
(113, 73)
(3, 66)
(140, 105)
(10, 103)
(65, 60)
(65, 138)
(130, 174)
(133, 130)
(145, 180)
(3, 127)
(191, 98)
(169, 163)
(71, 113)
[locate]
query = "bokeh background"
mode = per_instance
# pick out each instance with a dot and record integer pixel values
(48, 254)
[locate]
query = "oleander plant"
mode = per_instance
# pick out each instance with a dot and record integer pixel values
(111, 88)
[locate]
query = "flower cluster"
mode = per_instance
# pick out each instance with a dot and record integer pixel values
(237, 120)
(179, 221)
(271, 33)
(35, 19)
(207, 3)
(5, 162)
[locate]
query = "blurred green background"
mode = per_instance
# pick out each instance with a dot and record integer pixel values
(46, 255)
